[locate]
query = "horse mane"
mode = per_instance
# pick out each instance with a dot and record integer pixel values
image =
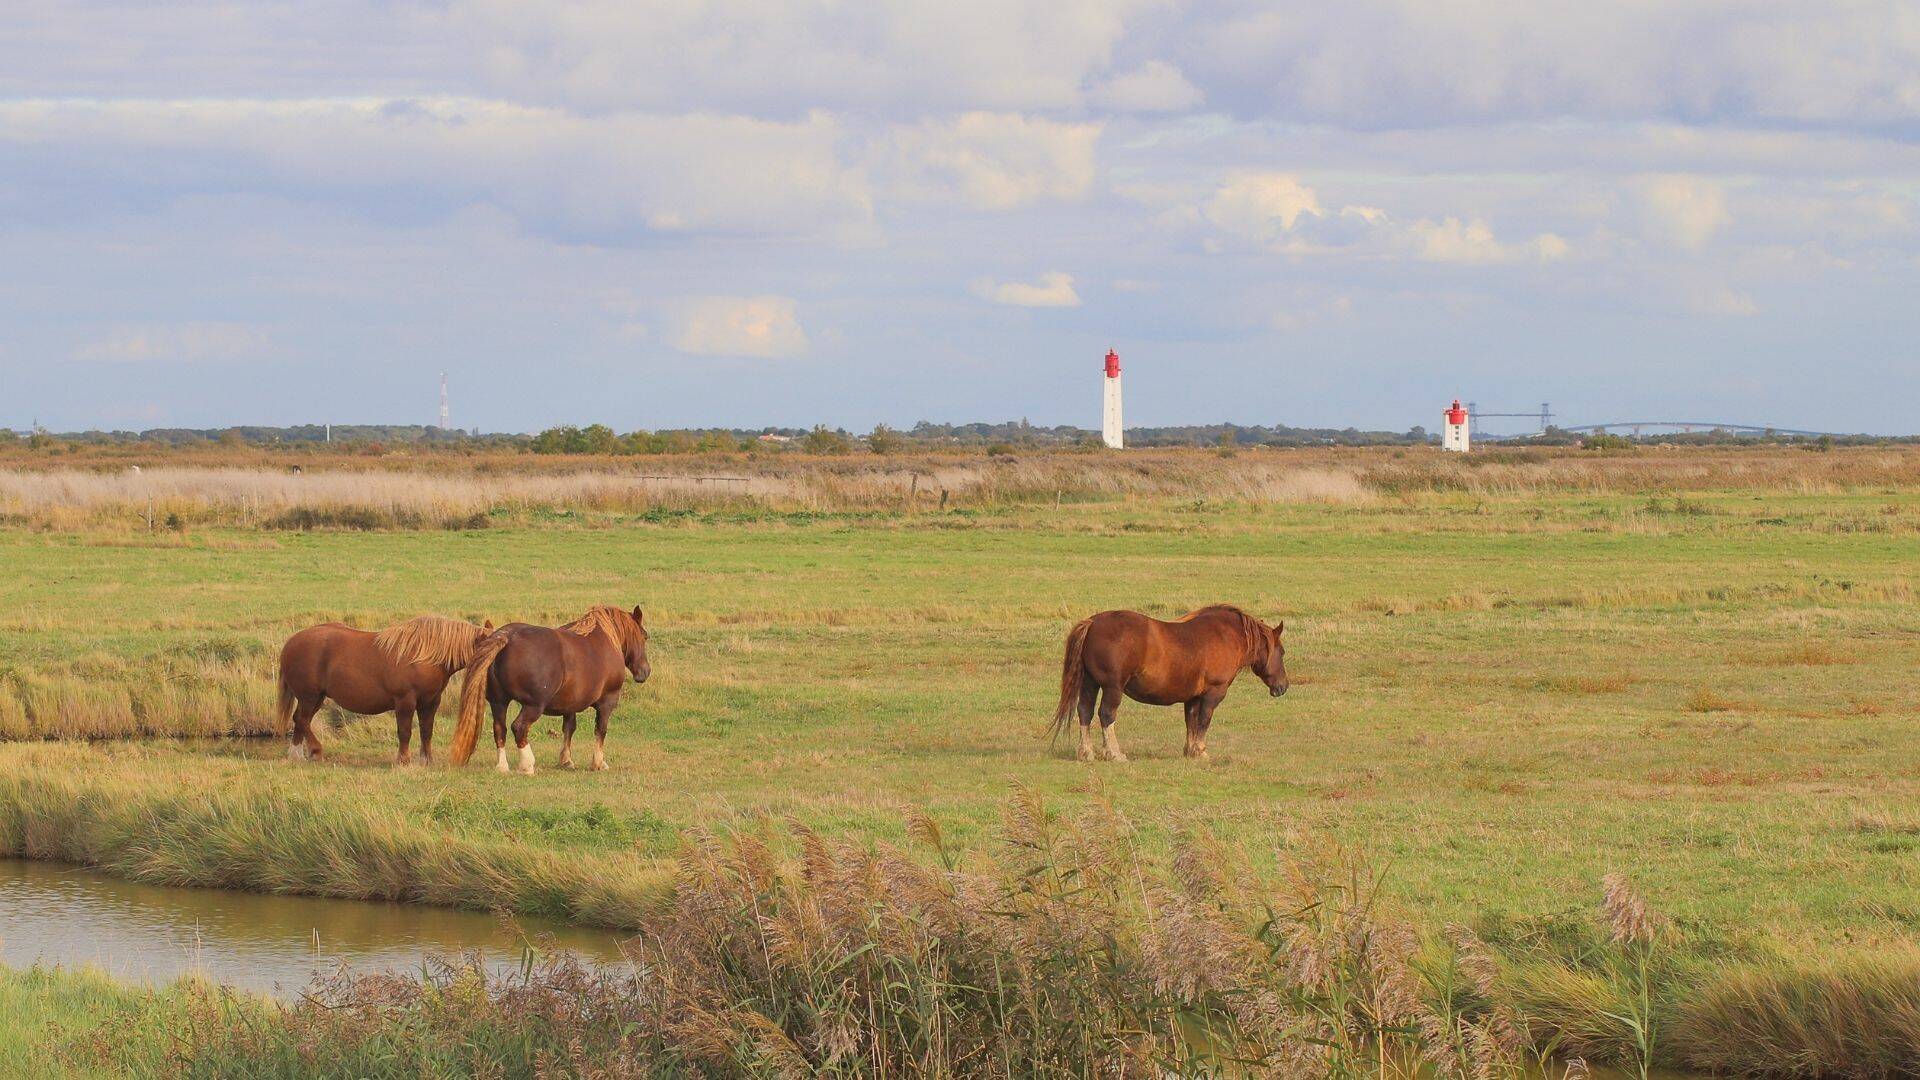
(1254, 629)
(617, 622)
(430, 639)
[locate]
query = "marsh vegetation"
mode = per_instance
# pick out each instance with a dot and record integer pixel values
(1514, 676)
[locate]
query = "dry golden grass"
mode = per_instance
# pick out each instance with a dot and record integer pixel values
(160, 498)
(1705, 700)
(254, 488)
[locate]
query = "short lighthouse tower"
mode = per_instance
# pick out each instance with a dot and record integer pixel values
(1455, 433)
(1110, 426)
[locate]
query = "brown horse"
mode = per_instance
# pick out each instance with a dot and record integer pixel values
(1190, 661)
(401, 670)
(551, 672)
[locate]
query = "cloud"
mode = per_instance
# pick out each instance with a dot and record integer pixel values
(1053, 289)
(191, 342)
(763, 327)
(1684, 211)
(1473, 243)
(994, 161)
(569, 175)
(1260, 206)
(1153, 87)
(903, 57)
(1276, 212)
(1377, 64)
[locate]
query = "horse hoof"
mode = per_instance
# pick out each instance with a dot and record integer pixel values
(600, 765)
(1117, 757)
(526, 761)
(296, 752)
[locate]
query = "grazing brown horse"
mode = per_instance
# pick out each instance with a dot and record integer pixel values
(401, 670)
(550, 672)
(1190, 661)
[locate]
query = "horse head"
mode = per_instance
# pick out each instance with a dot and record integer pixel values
(1271, 665)
(634, 649)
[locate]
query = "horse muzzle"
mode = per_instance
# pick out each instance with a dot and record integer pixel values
(1276, 691)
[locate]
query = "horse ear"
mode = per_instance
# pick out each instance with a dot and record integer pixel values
(1280, 627)
(487, 626)
(636, 613)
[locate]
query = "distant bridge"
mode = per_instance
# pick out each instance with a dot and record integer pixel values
(1638, 427)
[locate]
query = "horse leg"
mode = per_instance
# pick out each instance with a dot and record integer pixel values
(500, 732)
(427, 710)
(1202, 721)
(1195, 748)
(1089, 692)
(1109, 711)
(567, 723)
(522, 730)
(601, 712)
(304, 747)
(403, 730)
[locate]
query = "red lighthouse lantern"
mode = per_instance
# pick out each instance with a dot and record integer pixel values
(1456, 415)
(1113, 366)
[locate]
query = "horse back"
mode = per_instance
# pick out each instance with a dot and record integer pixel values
(570, 671)
(1172, 659)
(344, 663)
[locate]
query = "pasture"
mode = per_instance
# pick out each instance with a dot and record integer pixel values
(1499, 696)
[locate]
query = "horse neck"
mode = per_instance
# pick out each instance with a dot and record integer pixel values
(1256, 639)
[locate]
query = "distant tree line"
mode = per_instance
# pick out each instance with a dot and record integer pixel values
(998, 438)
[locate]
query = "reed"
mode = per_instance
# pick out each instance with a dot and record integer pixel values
(1856, 1015)
(1061, 951)
(1064, 954)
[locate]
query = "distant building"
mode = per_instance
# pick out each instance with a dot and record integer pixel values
(771, 437)
(1454, 435)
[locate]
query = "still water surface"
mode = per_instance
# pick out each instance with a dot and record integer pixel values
(57, 914)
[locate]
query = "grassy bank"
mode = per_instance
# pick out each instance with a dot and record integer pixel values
(1059, 949)
(259, 836)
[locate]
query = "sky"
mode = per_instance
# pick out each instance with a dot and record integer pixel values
(670, 213)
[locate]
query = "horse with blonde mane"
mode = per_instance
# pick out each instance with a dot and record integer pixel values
(402, 669)
(1190, 661)
(551, 672)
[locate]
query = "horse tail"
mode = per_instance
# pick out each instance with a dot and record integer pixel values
(473, 697)
(1072, 675)
(283, 709)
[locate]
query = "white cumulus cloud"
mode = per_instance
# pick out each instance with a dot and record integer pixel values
(995, 161)
(1684, 211)
(1052, 289)
(761, 327)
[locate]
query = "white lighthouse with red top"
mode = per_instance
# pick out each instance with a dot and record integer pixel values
(1454, 436)
(1110, 427)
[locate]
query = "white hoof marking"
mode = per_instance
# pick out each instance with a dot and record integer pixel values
(502, 763)
(526, 759)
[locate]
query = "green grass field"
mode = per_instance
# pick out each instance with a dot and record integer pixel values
(1502, 700)
(1499, 699)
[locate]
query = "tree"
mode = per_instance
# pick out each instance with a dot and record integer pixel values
(557, 440)
(824, 440)
(884, 440)
(597, 439)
